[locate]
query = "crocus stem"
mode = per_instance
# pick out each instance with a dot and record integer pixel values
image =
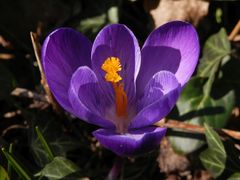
(173, 124)
(116, 169)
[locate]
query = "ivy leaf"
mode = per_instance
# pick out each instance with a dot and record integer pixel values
(196, 108)
(234, 176)
(58, 168)
(214, 158)
(3, 174)
(93, 24)
(113, 15)
(45, 144)
(216, 49)
(196, 104)
(21, 170)
(59, 142)
(60, 145)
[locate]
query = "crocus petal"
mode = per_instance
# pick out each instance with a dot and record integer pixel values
(64, 50)
(173, 47)
(86, 99)
(133, 143)
(118, 41)
(160, 96)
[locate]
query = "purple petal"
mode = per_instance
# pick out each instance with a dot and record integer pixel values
(63, 51)
(86, 99)
(133, 143)
(173, 47)
(160, 96)
(118, 41)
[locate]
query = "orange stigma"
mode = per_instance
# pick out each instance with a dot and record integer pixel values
(112, 66)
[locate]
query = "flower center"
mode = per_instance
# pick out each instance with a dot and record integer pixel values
(112, 66)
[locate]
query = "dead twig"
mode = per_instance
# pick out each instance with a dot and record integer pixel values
(12, 114)
(234, 32)
(6, 56)
(173, 124)
(4, 43)
(14, 126)
(37, 51)
(29, 94)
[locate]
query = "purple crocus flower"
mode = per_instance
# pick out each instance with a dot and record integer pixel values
(115, 85)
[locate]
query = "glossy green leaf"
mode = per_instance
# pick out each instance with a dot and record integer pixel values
(218, 15)
(3, 174)
(93, 24)
(214, 158)
(59, 142)
(234, 176)
(216, 48)
(58, 168)
(196, 108)
(113, 14)
(102, 13)
(10, 150)
(44, 144)
(17, 166)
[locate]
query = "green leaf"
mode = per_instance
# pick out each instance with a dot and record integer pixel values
(218, 15)
(234, 176)
(213, 140)
(6, 81)
(113, 14)
(208, 86)
(58, 168)
(18, 167)
(10, 150)
(214, 158)
(3, 174)
(196, 108)
(216, 48)
(44, 144)
(102, 13)
(184, 145)
(92, 25)
(59, 142)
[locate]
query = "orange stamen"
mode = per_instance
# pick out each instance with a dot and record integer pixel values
(111, 66)
(121, 100)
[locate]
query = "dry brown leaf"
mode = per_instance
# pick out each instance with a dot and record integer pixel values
(169, 161)
(163, 11)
